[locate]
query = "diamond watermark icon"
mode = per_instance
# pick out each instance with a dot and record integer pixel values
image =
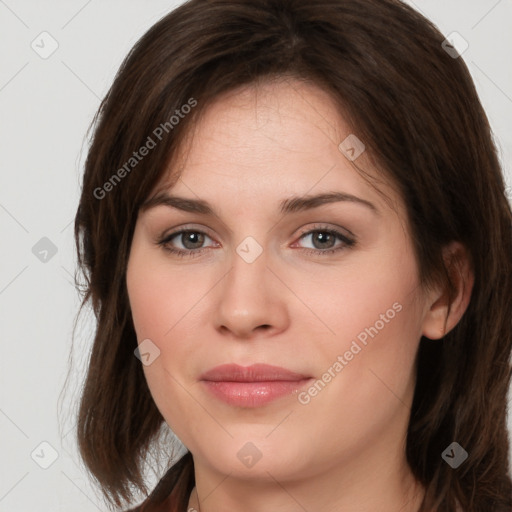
(249, 454)
(249, 249)
(454, 455)
(352, 147)
(45, 45)
(147, 352)
(44, 455)
(44, 250)
(455, 45)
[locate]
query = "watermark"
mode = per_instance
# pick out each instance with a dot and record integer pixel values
(147, 352)
(44, 455)
(45, 45)
(454, 455)
(249, 249)
(44, 250)
(137, 156)
(454, 45)
(352, 147)
(304, 397)
(249, 454)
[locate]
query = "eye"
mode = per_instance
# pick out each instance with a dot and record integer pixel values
(191, 241)
(324, 240)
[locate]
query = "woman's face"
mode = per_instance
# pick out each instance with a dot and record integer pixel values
(326, 289)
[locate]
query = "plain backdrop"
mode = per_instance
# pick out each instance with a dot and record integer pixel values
(46, 106)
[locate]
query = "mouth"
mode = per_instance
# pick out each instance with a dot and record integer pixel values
(252, 386)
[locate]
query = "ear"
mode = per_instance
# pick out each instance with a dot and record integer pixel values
(444, 311)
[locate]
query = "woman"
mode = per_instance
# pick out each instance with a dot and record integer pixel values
(298, 247)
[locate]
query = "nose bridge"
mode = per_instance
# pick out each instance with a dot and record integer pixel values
(248, 298)
(248, 273)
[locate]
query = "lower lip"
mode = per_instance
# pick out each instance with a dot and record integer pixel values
(254, 394)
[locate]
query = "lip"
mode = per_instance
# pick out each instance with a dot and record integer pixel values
(252, 386)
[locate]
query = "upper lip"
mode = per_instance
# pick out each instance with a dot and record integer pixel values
(253, 373)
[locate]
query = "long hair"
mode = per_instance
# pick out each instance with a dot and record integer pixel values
(416, 108)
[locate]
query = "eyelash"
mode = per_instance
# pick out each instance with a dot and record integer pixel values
(192, 253)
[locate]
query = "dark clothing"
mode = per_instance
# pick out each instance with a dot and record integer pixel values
(150, 506)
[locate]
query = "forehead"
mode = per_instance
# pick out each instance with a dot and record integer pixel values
(264, 120)
(256, 142)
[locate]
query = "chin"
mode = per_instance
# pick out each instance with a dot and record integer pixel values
(255, 456)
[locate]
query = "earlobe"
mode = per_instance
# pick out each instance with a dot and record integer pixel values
(445, 306)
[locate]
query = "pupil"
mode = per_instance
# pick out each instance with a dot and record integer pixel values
(190, 237)
(323, 237)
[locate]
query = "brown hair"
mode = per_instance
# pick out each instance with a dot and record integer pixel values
(418, 113)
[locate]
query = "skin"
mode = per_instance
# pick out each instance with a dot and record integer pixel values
(345, 449)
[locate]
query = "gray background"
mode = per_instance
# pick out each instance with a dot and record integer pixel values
(46, 106)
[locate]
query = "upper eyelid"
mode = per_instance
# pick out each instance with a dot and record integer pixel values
(327, 228)
(185, 229)
(205, 230)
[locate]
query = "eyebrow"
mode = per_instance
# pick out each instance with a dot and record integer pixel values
(287, 206)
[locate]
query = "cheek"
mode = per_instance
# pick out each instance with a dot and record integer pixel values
(374, 381)
(373, 302)
(160, 296)
(376, 317)
(167, 309)
(159, 302)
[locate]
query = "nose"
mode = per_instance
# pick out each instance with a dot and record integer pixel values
(251, 300)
